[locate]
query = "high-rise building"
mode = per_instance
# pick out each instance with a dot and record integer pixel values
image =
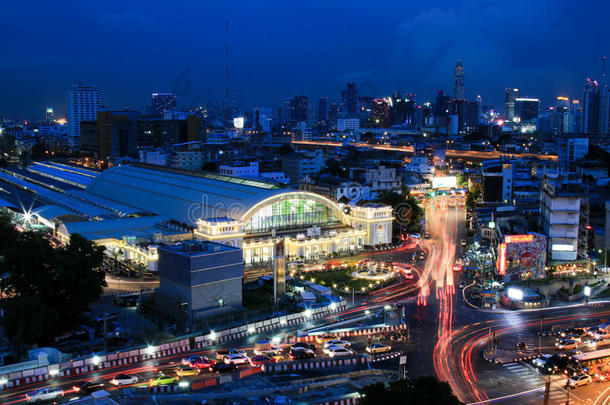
(571, 148)
(323, 110)
(442, 106)
(596, 104)
(333, 112)
(298, 108)
(509, 103)
(49, 116)
(526, 109)
(349, 101)
(468, 115)
(160, 102)
(458, 87)
(82, 104)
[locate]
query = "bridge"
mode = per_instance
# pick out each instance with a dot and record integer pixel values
(451, 153)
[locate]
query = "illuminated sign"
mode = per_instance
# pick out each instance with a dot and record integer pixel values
(515, 294)
(519, 238)
(238, 122)
(491, 225)
(502, 259)
(444, 182)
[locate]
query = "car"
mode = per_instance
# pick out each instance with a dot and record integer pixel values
(462, 284)
(203, 362)
(541, 361)
(43, 394)
(592, 331)
(258, 361)
(301, 354)
(163, 379)
(557, 363)
(572, 336)
(378, 348)
(463, 242)
(572, 331)
(305, 345)
(427, 235)
(124, 379)
(337, 342)
(566, 344)
(579, 380)
(603, 376)
(325, 338)
(221, 354)
(338, 351)
(222, 368)
(236, 358)
(87, 387)
(184, 371)
(415, 236)
(274, 355)
(189, 360)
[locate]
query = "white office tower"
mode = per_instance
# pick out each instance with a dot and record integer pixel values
(82, 104)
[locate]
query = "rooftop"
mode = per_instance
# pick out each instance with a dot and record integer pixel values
(198, 248)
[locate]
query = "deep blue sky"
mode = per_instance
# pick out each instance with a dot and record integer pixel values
(130, 48)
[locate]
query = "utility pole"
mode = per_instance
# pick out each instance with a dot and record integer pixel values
(540, 335)
(547, 390)
(105, 334)
(568, 391)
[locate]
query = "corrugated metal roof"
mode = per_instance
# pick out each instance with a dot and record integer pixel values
(180, 194)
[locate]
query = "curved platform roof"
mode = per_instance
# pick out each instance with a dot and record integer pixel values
(182, 195)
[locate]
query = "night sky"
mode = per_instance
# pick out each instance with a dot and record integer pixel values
(278, 49)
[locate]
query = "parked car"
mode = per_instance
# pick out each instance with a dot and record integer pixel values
(338, 351)
(163, 379)
(325, 338)
(184, 371)
(301, 354)
(43, 394)
(541, 361)
(203, 362)
(222, 353)
(566, 344)
(236, 358)
(124, 379)
(222, 368)
(189, 360)
(87, 387)
(337, 342)
(579, 380)
(258, 361)
(305, 345)
(378, 348)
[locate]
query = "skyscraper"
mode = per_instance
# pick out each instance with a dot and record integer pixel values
(49, 115)
(526, 109)
(82, 104)
(458, 87)
(595, 107)
(160, 102)
(298, 108)
(323, 110)
(509, 103)
(349, 101)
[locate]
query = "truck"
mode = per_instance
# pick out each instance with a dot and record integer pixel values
(265, 347)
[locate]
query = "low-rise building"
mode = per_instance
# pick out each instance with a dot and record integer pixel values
(200, 279)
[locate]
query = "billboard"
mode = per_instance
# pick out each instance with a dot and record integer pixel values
(444, 182)
(238, 122)
(522, 256)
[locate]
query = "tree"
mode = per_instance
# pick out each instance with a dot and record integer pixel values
(407, 211)
(47, 289)
(425, 390)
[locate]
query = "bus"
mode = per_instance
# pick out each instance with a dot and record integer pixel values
(593, 362)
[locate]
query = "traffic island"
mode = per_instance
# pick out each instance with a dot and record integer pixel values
(501, 356)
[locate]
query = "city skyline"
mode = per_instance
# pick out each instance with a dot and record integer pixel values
(287, 60)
